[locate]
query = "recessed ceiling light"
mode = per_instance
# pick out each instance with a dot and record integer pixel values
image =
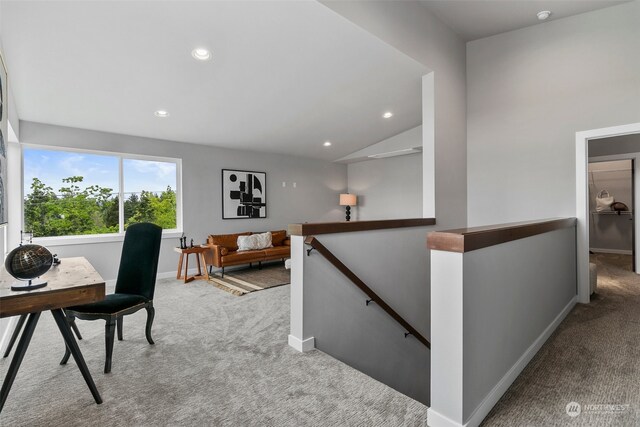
(544, 14)
(162, 113)
(387, 115)
(327, 144)
(201, 54)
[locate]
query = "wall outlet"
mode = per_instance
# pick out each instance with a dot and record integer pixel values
(294, 185)
(284, 184)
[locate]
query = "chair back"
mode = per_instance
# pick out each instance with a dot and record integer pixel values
(139, 260)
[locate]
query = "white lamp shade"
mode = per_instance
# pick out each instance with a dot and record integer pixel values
(348, 199)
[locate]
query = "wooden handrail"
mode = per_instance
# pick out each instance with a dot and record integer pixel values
(315, 244)
(469, 239)
(309, 229)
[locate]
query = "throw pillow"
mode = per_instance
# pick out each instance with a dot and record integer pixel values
(254, 242)
(278, 237)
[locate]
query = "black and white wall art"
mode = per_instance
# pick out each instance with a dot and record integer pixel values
(244, 194)
(4, 125)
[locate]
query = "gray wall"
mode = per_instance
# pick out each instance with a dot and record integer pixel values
(387, 188)
(415, 31)
(395, 264)
(512, 293)
(529, 92)
(315, 197)
(606, 231)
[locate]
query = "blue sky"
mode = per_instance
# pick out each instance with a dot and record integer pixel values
(51, 166)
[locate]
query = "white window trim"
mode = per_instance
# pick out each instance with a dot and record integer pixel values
(83, 239)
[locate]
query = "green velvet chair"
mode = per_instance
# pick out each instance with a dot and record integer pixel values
(134, 287)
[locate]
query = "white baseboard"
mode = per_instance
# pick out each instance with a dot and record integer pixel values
(167, 275)
(611, 251)
(496, 393)
(172, 274)
(436, 419)
(302, 346)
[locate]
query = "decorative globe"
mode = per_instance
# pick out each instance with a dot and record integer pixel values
(27, 262)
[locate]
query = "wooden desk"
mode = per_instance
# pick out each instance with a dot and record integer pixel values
(73, 282)
(184, 259)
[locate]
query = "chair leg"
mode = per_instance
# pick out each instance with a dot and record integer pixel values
(222, 272)
(151, 312)
(109, 329)
(119, 327)
(66, 356)
(15, 334)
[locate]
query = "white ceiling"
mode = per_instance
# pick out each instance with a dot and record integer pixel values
(285, 76)
(475, 19)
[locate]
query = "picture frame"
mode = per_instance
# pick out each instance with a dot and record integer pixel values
(244, 194)
(4, 135)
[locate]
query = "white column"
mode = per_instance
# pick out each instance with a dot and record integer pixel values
(446, 339)
(296, 337)
(428, 147)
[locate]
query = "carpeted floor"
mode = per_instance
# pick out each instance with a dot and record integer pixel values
(219, 360)
(593, 358)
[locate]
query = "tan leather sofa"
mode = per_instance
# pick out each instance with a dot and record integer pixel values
(224, 250)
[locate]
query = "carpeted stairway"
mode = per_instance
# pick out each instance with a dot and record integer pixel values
(219, 360)
(593, 358)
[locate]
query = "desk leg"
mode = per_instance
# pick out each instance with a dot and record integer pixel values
(16, 334)
(32, 321)
(72, 345)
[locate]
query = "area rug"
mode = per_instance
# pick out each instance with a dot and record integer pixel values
(241, 282)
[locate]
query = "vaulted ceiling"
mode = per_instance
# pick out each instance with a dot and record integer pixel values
(284, 77)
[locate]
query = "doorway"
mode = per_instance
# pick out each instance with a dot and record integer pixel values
(582, 196)
(611, 209)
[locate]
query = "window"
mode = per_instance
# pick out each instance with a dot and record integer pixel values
(71, 193)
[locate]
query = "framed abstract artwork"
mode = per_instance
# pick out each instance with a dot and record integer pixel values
(4, 126)
(244, 194)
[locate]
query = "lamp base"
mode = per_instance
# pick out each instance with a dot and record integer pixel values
(348, 210)
(29, 286)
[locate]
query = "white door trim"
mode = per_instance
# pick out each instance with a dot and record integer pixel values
(582, 198)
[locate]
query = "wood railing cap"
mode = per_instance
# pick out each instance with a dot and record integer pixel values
(470, 239)
(307, 229)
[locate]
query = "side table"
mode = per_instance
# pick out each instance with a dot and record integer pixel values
(184, 259)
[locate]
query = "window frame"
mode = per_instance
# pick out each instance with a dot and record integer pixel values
(83, 239)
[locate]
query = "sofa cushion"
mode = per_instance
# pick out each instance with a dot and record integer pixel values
(278, 237)
(277, 251)
(243, 257)
(254, 242)
(229, 241)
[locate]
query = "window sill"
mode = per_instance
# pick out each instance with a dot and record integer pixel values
(93, 239)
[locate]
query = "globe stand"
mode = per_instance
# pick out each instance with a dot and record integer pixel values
(30, 286)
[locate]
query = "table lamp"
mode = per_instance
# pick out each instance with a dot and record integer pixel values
(348, 200)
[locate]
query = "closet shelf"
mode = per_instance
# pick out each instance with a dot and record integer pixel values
(612, 213)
